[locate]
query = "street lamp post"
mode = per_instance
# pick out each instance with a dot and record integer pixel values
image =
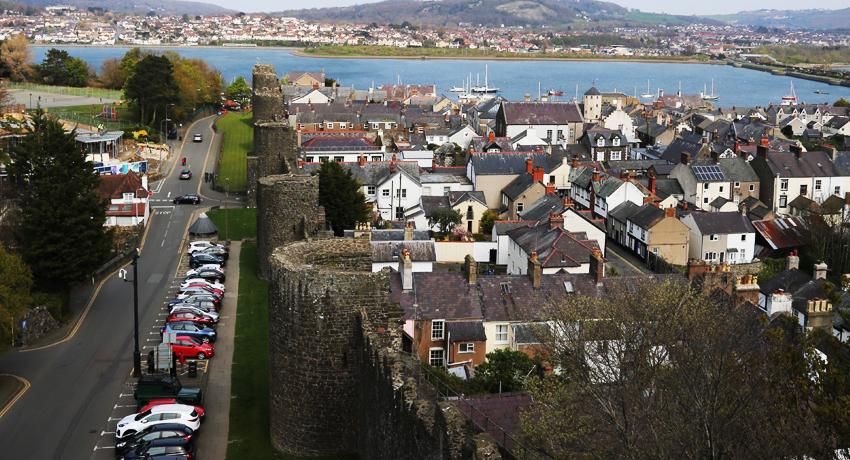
(137, 356)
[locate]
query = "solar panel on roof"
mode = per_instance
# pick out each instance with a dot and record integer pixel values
(708, 173)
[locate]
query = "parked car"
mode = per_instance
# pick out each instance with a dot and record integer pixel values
(201, 245)
(197, 138)
(200, 307)
(166, 413)
(151, 387)
(198, 287)
(185, 174)
(187, 292)
(161, 431)
(202, 258)
(189, 198)
(202, 320)
(186, 348)
(186, 328)
(216, 251)
(192, 299)
(158, 402)
(200, 281)
(195, 270)
(208, 274)
(168, 451)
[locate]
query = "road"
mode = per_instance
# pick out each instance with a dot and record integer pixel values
(75, 382)
(626, 263)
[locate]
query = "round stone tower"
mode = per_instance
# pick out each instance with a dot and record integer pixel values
(272, 140)
(287, 210)
(318, 293)
(267, 100)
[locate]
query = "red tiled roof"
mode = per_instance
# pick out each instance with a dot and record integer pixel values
(115, 186)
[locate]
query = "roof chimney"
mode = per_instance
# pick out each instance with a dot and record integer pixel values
(624, 174)
(793, 261)
(819, 315)
(763, 147)
(574, 163)
(597, 176)
(529, 165)
(408, 231)
(550, 188)
(652, 183)
(555, 220)
(361, 160)
(568, 203)
(537, 174)
(685, 158)
(797, 149)
(471, 269)
(392, 164)
(535, 270)
(820, 271)
(405, 268)
(597, 266)
(491, 137)
(670, 212)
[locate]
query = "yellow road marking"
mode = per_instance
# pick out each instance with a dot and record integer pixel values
(85, 313)
(24, 388)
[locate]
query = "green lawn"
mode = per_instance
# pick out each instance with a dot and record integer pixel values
(89, 114)
(68, 90)
(238, 141)
(235, 223)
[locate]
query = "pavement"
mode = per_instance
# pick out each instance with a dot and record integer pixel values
(76, 381)
(50, 100)
(213, 444)
(626, 263)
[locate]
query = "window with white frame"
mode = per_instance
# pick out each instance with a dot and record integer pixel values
(401, 192)
(752, 187)
(438, 329)
(705, 200)
(615, 142)
(436, 357)
(783, 184)
(737, 184)
(744, 237)
(128, 197)
(370, 189)
(502, 333)
(549, 134)
(616, 155)
(399, 212)
(466, 348)
(818, 184)
(600, 141)
(721, 189)
(837, 190)
(713, 237)
(385, 192)
(783, 201)
(519, 207)
(705, 186)
(339, 159)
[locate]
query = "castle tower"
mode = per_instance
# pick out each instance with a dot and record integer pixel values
(592, 105)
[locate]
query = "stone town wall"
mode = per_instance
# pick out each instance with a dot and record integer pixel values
(287, 211)
(252, 172)
(274, 146)
(267, 99)
(339, 383)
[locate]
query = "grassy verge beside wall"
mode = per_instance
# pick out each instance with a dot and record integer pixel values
(237, 141)
(235, 223)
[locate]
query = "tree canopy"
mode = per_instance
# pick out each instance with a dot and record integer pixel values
(150, 87)
(342, 197)
(657, 370)
(15, 291)
(60, 68)
(239, 90)
(62, 234)
(445, 219)
(15, 58)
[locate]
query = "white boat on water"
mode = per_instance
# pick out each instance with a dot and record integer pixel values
(457, 89)
(790, 99)
(647, 94)
(486, 89)
(706, 96)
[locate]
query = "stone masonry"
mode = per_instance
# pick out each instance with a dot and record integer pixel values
(273, 142)
(339, 383)
(287, 211)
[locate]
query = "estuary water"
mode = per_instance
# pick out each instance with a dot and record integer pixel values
(736, 87)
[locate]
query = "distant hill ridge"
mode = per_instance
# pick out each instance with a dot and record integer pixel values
(790, 19)
(162, 7)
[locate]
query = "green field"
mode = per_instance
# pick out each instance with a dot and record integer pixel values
(68, 90)
(237, 141)
(235, 223)
(90, 115)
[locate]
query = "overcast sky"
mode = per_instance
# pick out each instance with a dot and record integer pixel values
(659, 6)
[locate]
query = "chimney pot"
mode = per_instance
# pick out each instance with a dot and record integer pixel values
(471, 269)
(793, 261)
(597, 266)
(535, 270)
(820, 271)
(529, 168)
(405, 268)
(556, 220)
(537, 175)
(670, 212)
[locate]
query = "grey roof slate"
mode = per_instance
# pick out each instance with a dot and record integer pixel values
(646, 216)
(541, 113)
(462, 331)
(720, 223)
(624, 211)
(513, 163)
(397, 235)
(389, 251)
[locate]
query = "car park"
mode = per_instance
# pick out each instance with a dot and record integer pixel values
(186, 348)
(166, 432)
(201, 245)
(150, 451)
(188, 316)
(189, 198)
(197, 138)
(186, 328)
(166, 413)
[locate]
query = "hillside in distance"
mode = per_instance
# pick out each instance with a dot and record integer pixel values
(161, 7)
(550, 13)
(790, 19)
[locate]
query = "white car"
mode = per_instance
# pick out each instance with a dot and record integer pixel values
(195, 271)
(182, 308)
(165, 413)
(197, 138)
(201, 245)
(202, 281)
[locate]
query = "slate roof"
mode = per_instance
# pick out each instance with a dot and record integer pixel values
(465, 331)
(667, 187)
(457, 197)
(338, 143)
(738, 170)
(624, 211)
(373, 172)
(809, 164)
(555, 247)
(686, 143)
(718, 202)
(720, 223)
(540, 209)
(592, 92)
(541, 113)
(389, 251)
(608, 185)
(398, 235)
(443, 175)
(502, 227)
(783, 232)
(664, 169)
(646, 216)
(430, 204)
(503, 163)
(518, 186)
(803, 203)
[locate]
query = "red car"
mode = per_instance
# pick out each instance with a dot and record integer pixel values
(189, 316)
(159, 402)
(205, 287)
(187, 348)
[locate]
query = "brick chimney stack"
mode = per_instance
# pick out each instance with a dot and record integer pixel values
(471, 269)
(597, 266)
(652, 183)
(819, 315)
(405, 269)
(670, 212)
(537, 174)
(555, 220)
(793, 261)
(597, 176)
(820, 271)
(408, 231)
(763, 147)
(361, 160)
(550, 188)
(574, 163)
(529, 165)
(535, 270)
(746, 289)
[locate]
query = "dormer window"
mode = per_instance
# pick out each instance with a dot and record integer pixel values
(600, 141)
(128, 197)
(616, 141)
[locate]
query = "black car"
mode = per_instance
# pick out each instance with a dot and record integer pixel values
(190, 198)
(155, 438)
(216, 251)
(210, 274)
(149, 451)
(179, 428)
(203, 258)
